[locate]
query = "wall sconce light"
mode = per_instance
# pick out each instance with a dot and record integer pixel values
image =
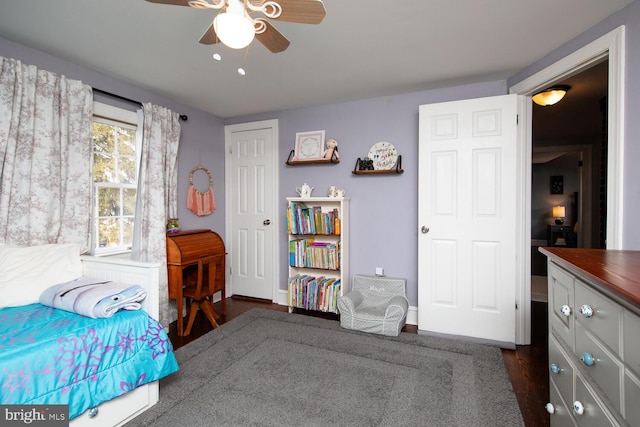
(551, 95)
(559, 214)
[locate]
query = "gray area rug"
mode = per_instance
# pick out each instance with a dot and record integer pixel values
(269, 368)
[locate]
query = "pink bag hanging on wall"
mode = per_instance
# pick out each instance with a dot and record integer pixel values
(198, 202)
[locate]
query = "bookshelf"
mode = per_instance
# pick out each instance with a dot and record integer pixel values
(318, 233)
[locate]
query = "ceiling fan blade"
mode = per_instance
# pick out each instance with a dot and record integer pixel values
(209, 36)
(175, 2)
(300, 11)
(273, 39)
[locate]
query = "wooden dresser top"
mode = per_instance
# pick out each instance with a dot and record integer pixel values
(615, 273)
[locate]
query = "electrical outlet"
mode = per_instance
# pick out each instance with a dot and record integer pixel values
(379, 271)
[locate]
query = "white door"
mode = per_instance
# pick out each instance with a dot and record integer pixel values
(251, 208)
(467, 219)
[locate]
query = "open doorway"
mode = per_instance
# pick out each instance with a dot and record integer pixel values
(569, 169)
(610, 46)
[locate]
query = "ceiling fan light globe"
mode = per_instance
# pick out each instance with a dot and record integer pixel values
(234, 30)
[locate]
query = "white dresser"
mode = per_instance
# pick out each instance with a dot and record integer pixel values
(594, 337)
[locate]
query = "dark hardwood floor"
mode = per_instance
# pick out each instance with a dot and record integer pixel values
(527, 368)
(526, 365)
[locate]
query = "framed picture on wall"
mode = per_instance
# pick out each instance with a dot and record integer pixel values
(309, 145)
(557, 184)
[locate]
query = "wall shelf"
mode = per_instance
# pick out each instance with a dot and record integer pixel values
(378, 172)
(396, 170)
(334, 159)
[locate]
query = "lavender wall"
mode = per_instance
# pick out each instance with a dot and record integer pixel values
(630, 18)
(202, 135)
(384, 208)
(384, 228)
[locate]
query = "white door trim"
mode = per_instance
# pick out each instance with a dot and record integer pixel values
(613, 45)
(228, 131)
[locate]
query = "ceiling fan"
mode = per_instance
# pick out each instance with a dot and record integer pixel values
(235, 27)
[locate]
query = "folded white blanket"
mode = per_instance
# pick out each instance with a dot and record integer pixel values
(93, 297)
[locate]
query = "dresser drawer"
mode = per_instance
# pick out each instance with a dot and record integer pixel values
(606, 318)
(631, 346)
(117, 411)
(606, 371)
(594, 415)
(561, 416)
(600, 337)
(562, 373)
(561, 307)
(632, 399)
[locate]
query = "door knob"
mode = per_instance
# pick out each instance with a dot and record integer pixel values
(424, 229)
(266, 222)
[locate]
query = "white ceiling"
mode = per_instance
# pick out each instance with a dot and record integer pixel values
(362, 49)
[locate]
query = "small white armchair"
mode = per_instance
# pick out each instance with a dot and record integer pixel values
(376, 304)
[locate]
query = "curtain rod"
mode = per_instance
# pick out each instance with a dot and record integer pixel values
(183, 117)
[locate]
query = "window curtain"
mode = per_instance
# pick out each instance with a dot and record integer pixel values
(45, 154)
(157, 193)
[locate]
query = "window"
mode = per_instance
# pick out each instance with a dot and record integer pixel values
(115, 178)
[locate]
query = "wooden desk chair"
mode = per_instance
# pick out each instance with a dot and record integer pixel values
(200, 293)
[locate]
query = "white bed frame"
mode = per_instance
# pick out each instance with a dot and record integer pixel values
(118, 411)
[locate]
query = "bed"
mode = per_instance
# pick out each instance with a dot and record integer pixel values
(106, 370)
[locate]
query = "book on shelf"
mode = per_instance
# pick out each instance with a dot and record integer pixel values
(310, 253)
(314, 293)
(302, 219)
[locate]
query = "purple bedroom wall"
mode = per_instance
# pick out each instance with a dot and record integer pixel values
(384, 229)
(384, 208)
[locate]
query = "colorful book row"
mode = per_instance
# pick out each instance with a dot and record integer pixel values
(302, 219)
(310, 253)
(314, 293)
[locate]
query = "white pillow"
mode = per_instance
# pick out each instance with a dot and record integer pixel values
(26, 271)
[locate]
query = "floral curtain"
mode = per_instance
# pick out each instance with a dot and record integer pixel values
(157, 198)
(45, 154)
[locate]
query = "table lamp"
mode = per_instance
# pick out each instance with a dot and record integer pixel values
(559, 214)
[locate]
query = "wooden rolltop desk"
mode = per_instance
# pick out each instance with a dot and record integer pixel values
(186, 251)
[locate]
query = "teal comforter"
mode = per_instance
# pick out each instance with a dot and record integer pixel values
(50, 356)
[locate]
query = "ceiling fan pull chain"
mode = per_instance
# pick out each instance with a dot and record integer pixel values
(241, 70)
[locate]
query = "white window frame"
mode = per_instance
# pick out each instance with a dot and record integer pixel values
(116, 115)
